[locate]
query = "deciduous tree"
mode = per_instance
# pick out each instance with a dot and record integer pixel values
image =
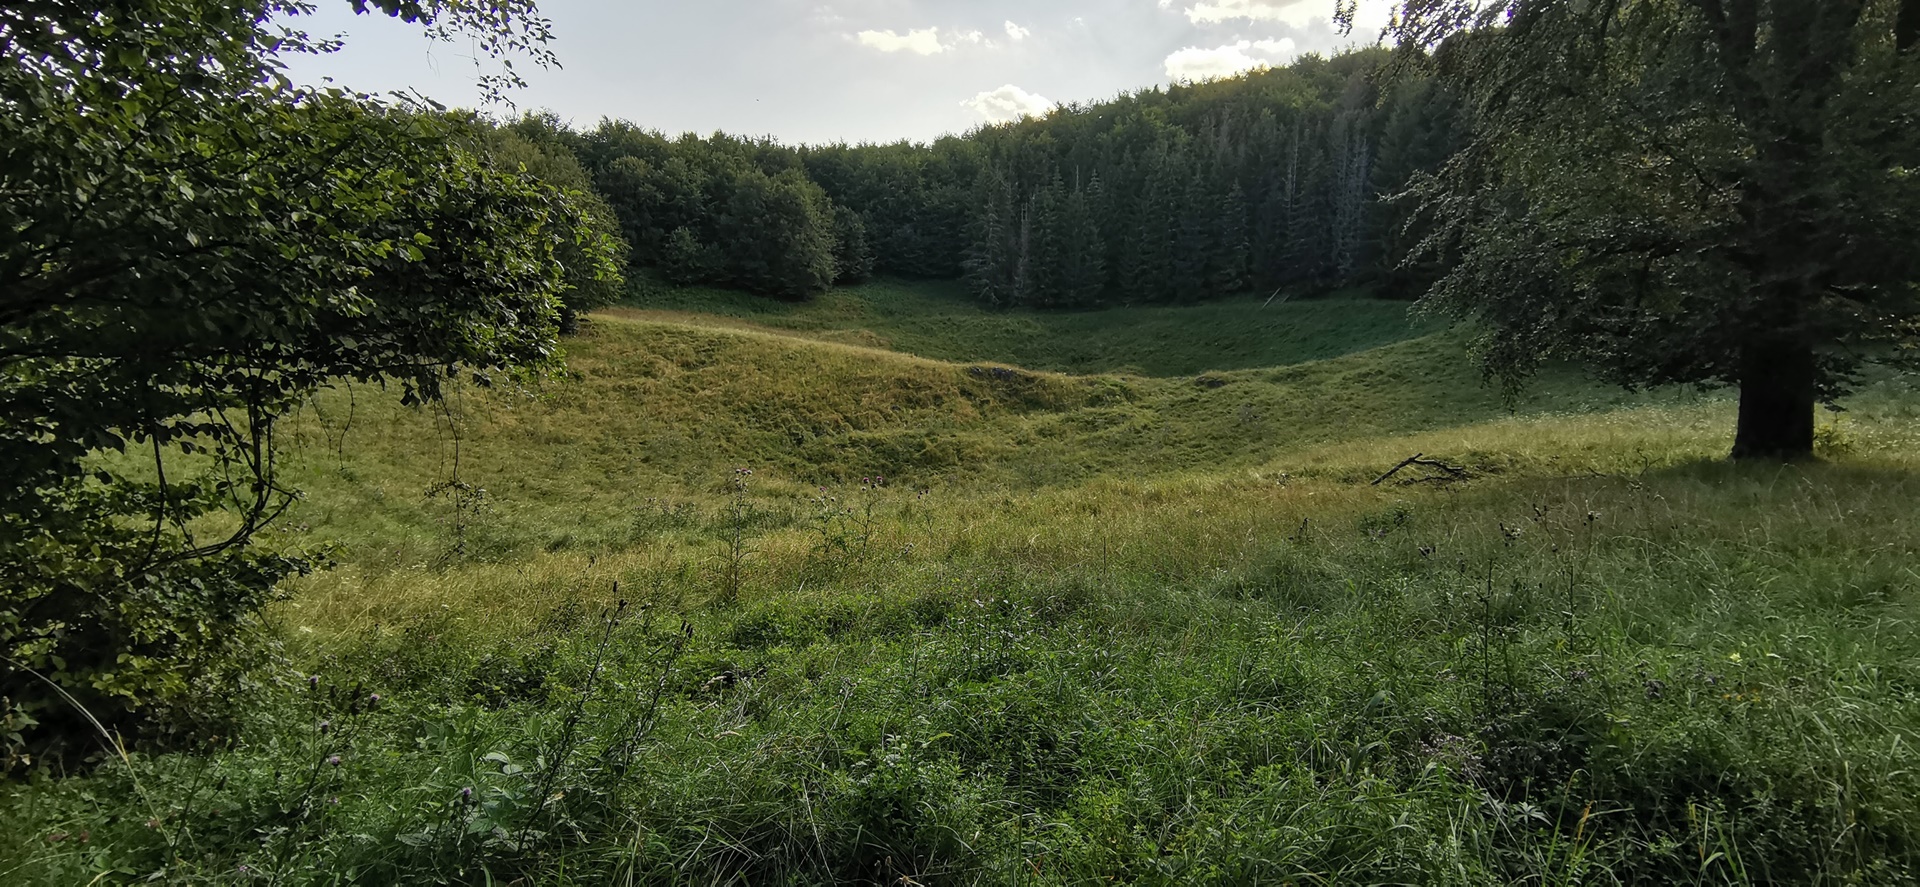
(189, 247)
(1710, 192)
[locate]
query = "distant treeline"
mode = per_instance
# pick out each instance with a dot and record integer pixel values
(1271, 179)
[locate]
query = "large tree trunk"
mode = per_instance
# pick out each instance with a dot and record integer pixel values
(1776, 401)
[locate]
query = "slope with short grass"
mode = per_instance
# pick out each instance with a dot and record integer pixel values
(1127, 613)
(652, 407)
(939, 320)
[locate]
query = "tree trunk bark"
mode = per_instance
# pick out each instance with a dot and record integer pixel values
(1776, 401)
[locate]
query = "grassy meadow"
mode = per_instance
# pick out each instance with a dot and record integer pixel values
(885, 589)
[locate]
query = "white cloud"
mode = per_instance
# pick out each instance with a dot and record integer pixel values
(925, 41)
(1017, 33)
(1294, 12)
(1371, 15)
(922, 41)
(1008, 103)
(1195, 63)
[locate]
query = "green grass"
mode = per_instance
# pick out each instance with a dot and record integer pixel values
(1100, 626)
(939, 321)
(658, 410)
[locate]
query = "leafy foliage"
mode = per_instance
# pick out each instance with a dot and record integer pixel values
(720, 211)
(1703, 192)
(192, 247)
(529, 148)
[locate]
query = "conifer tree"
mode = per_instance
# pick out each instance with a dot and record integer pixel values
(1193, 252)
(1423, 127)
(1083, 275)
(992, 263)
(1231, 267)
(1099, 207)
(1304, 222)
(1348, 158)
(1046, 255)
(1156, 231)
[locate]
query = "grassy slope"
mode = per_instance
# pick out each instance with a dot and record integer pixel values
(937, 320)
(1136, 628)
(655, 408)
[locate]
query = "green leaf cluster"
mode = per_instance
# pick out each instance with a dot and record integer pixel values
(189, 248)
(1709, 192)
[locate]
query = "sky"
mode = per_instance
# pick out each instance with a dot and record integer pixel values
(821, 71)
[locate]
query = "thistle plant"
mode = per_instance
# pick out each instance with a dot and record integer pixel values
(845, 530)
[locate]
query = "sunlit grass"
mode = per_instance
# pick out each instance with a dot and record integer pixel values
(1091, 627)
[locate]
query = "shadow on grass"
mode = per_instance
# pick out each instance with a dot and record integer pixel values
(1843, 471)
(936, 319)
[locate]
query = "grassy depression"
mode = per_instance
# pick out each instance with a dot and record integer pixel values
(1126, 606)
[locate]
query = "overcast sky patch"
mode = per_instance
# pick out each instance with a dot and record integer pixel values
(831, 70)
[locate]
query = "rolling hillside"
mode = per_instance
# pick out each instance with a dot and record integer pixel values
(884, 589)
(659, 403)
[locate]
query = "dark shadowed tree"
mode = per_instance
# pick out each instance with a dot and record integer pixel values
(1423, 127)
(994, 256)
(1083, 255)
(1231, 264)
(775, 235)
(1711, 192)
(853, 256)
(1046, 246)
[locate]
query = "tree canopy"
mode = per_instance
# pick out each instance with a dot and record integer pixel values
(1712, 192)
(189, 247)
(1176, 194)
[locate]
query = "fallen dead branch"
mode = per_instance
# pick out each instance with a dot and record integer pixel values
(1453, 472)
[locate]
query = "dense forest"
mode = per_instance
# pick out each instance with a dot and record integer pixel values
(1281, 177)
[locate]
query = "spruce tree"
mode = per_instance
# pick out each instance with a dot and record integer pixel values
(1046, 256)
(1194, 221)
(1156, 218)
(1233, 250)
(1083, 255)
(992, 262)
(1423, 127)
(1350, 195)
(1306, 208)
(1099, 207)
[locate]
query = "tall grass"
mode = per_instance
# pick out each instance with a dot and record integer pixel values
(971, 624)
